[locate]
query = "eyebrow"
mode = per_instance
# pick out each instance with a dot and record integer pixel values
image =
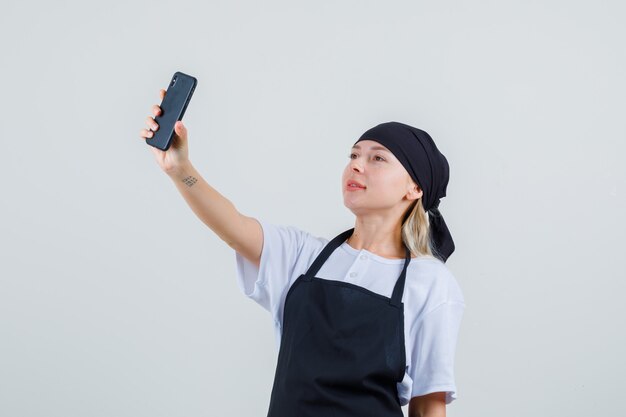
(374, 148)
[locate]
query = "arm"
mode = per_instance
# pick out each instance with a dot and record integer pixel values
(240, 232)
(429, 405)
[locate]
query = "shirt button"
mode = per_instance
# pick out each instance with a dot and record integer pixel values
(353, 274)
(363, 257)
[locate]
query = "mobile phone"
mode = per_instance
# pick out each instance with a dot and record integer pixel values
(173, 108)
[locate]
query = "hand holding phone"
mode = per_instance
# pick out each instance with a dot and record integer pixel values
(173, 106)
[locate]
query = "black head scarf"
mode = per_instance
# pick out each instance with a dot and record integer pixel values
(417, 152)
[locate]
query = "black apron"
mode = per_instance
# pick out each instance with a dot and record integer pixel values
(342, 347)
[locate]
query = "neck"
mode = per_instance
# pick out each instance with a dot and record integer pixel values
(378, 236)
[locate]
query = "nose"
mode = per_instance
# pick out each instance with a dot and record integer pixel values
(354, 164)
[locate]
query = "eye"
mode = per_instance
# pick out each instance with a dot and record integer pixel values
(377, 156)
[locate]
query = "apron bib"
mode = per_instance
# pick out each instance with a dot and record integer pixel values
(342, 347)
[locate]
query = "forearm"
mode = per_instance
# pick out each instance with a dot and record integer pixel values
(211, 207)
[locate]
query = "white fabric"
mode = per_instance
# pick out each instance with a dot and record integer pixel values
(433, 301)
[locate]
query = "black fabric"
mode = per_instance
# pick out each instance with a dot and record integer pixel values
(428, 167)
(342, 350)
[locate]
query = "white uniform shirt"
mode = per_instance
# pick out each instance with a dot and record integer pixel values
(433, 301)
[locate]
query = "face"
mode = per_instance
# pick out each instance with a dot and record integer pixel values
(389, 189)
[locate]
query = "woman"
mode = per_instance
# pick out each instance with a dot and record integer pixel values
(366, 322)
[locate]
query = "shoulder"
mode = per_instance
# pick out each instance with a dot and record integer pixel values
(430, 280)
(292, 239)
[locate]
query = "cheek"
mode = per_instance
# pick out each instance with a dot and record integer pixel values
(388, 180)
(393, 186)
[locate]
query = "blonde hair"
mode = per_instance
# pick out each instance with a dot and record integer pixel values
(416, 232)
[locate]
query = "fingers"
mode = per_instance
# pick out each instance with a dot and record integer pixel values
(145, 133)
(151, 123)
(156, 109)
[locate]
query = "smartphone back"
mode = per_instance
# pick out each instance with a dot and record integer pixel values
(173, 108)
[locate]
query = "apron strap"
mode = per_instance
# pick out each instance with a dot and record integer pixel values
(328, 249)
(398, 289)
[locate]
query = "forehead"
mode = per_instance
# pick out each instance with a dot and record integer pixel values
(371, 145)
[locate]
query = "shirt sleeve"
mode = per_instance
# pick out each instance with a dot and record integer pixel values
(435, 346)
(284, 257)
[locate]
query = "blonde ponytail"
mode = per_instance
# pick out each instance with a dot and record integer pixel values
(416, 232)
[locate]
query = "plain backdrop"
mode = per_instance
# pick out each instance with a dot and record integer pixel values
(116, 300)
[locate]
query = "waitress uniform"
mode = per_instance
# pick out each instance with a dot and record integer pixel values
(342, 348)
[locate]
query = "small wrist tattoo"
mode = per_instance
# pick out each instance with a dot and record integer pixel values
(190, 180)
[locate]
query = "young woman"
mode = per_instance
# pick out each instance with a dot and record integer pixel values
(365, 322)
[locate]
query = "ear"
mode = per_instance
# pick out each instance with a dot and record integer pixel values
(414, 192)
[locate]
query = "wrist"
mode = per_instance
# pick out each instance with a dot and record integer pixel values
(180, 171)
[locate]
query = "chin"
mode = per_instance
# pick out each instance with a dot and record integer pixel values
(347, 205)
(355, 209)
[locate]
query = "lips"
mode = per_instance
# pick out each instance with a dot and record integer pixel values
(351, 185)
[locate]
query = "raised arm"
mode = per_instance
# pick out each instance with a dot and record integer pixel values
(240, 232)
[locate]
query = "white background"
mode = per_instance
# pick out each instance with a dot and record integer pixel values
(115, 300)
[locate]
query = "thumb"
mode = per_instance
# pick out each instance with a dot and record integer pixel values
(180, 129)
